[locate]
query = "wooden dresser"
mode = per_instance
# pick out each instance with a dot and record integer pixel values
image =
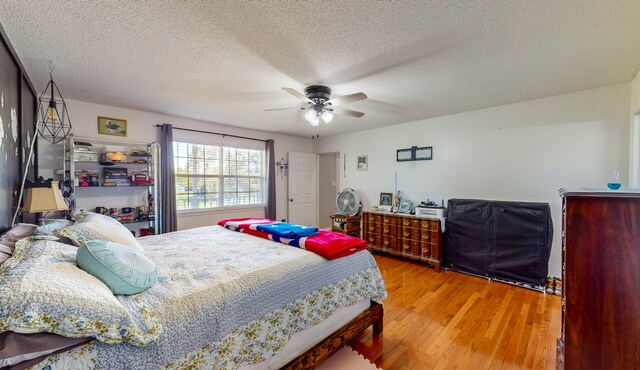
(601, 278)
(418, 238)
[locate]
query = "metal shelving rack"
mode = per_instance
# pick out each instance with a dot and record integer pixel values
(152, 166)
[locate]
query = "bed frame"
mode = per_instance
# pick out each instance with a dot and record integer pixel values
(374, 315)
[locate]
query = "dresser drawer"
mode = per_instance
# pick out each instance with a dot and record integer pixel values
(410, 233)
(371, 239)
(389, 242)
(406, 232)
(425, 249)
(415, 247)
(429, 225)
(403, 221)
(372, 217)
(435, 236)
(425, 236)
(389, 220)
(405, 245)
(388, 229)
(372, 228)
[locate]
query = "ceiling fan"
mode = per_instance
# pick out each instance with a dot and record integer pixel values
(321, 106)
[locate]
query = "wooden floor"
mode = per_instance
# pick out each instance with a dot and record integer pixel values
(450, 320)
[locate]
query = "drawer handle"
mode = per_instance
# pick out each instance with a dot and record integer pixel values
(425, 236)
(371, 227)
(425, 250)
(386, 230)
(406, 234)
(372, 239)
(406, 246)
(406, 223)
(386, 242)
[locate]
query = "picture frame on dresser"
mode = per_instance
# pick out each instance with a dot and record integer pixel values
(405, 206)
(386, 199)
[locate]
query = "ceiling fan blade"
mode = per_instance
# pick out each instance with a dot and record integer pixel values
(347, 112)
(268, 110)
(347, 99)
(297, 94)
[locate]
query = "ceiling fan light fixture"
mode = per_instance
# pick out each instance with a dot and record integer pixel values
(327, 116)
(315, 121)
(310, 115)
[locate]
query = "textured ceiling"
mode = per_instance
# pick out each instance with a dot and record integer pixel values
(225, 62)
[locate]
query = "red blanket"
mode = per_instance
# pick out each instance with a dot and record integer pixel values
(327, 244)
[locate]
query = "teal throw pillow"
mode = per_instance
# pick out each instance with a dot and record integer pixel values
(124, 270)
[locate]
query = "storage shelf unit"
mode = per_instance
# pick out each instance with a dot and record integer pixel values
(131, 195)
(418, 238)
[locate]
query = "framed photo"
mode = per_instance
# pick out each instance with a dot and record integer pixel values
(425, 153)
(386, 199)
(112, 126)
(363, 163)
(405, 206)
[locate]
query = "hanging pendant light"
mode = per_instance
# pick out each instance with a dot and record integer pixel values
(54, 124)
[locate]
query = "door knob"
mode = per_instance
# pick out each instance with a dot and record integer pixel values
(290, 199)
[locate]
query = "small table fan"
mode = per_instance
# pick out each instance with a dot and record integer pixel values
(348, 203)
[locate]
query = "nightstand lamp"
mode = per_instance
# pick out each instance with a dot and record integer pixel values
(43, 196)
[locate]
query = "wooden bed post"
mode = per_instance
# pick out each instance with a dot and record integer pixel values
(378, 317)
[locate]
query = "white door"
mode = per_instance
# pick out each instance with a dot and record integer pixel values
(303, 189)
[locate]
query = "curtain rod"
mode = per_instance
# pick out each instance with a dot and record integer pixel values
(217, 133)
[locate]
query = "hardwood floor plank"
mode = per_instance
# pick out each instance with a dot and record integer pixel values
(450, 320)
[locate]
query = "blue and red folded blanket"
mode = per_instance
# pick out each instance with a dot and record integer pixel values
(327, 244)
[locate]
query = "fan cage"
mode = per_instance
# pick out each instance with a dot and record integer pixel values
(348, 203)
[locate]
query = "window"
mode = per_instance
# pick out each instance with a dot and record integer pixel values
(210, 176)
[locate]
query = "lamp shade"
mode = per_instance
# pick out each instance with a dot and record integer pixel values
(43, 199)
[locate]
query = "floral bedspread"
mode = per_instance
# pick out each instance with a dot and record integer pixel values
(225, 299)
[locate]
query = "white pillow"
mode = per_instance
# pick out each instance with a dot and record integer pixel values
(93, 226)
(43, 290)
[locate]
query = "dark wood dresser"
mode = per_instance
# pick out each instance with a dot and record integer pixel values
(601, 278)
(418, 238)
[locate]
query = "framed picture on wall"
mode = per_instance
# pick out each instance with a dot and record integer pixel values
(363, 163)
(112, 126)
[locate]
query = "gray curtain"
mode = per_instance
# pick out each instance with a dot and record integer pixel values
(270, 208)
(168, 215)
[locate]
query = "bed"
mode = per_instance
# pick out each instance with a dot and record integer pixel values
(224, 299)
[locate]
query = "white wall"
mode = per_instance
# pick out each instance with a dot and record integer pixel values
(84, 115)
(635, 95)
(327, 191)
(522, 152)
(634, 136)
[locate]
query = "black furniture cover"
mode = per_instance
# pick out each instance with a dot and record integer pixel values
(504, 240)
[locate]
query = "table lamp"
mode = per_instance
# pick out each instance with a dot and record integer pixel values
(43, 196)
